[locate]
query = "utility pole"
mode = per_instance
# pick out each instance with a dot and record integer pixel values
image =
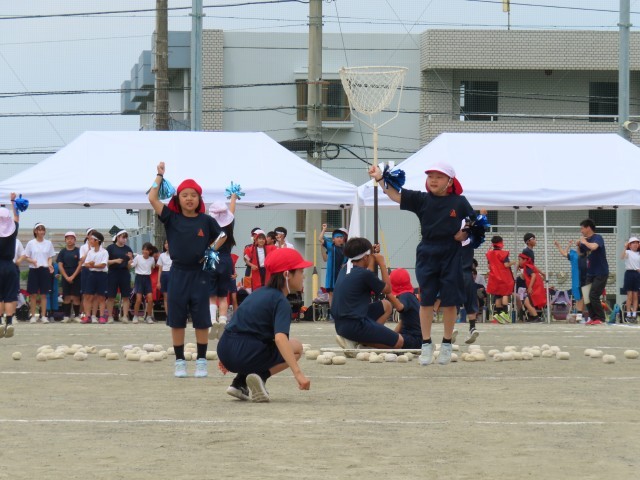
(623, 217)
(162, 66)
(314, 128)
(196, 65)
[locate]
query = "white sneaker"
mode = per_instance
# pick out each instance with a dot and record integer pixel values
(149, 319)
(76, 319)
(45, 319)
(257, 389)
(181, 368)
(135, 319)
(473, 336)
(110, 319)
(94, 319)
(8, 330)
(347, 344)
(65, 320)
(33, 319)
(222, 323)
(454, 335)
(201, 368)
(213, 331)
(446, 349)
(124, 319)
(426, 356)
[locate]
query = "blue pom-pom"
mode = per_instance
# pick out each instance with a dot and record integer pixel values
(477, 228)
(166, 190)
(21, 204)
(211, 259)
(234, 188)
(393, 178)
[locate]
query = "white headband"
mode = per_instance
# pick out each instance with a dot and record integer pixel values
(356, 258)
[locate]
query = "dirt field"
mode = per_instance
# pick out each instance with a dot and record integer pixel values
(544, 418)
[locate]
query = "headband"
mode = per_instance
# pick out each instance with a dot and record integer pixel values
(356, 258)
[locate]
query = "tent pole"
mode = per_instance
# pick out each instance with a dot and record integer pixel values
(546, 264)
(515, 240)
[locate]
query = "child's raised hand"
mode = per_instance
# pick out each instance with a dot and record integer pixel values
(161, 168)
(375, 172)
(376, 248)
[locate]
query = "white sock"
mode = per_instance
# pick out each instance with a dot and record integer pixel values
(213, 309)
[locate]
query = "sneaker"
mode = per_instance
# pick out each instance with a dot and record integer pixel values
(2, 330)
(94, 319)
(446, 349)
(505, 316)
(149, 319)
(213, 331)
(181, 369)
(8, 330)
(473, 336)
(110, 319)
(45, 319)
(426, 356)
(535, 319)
(596, 322)
(201, 368)
(76, 319)
(454, 335)
(241, 393)
(498, 319)
(124, 319)
(135, 319)
(102, 320)
(257, 389)
(347, 344)
(33, 319)
(65, 320)
(85, 319)
(222, 323)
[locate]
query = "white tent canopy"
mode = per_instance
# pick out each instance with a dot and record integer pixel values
(115, 169)
(538, 170)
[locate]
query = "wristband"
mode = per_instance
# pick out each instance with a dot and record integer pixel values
(159, 175)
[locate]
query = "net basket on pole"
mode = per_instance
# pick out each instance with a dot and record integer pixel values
(371, 89)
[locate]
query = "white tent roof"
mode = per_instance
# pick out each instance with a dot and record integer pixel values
(538, 170)
(115, 169)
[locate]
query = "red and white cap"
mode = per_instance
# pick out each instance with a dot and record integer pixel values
(7, 225)
(219, 211)
(445, 168)
(70, 234)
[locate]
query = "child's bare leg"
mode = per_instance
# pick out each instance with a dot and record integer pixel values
(449, 319)
(529, 307)
(426, 319)
(149, 300)
(136, 307)
(387, 312)
(296, 346)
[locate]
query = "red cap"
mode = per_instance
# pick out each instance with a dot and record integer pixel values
(400, 281)
(188, 183)
(283, 259)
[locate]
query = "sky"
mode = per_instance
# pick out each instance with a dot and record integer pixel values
(45, 52)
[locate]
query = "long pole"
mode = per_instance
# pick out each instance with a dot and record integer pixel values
(196, 65)
(314, 125)
(162, 67)
(623, 217)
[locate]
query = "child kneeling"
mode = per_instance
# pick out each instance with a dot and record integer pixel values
(255, 343)
(357, 319)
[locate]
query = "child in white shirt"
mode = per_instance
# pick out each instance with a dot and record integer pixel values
(143, 265)
(96, 262)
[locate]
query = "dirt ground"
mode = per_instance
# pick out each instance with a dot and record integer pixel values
(544, 418)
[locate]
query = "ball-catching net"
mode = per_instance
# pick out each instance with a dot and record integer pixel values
(371, 89)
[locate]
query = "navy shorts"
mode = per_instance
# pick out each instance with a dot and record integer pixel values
(219, 278)
(631, 281)
(9, 282)
(233, 286)
(143, 284)
(71, 289)
(470, 293)
(97, 283)
(119, 279)
(411, 341)
(84, 278)
(244, 353)
(164, 281)
(188, 295)
(368, 330)
(39, 280)
(439, 273)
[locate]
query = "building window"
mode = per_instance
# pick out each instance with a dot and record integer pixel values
(603, 100)
(605, 220)
(335, 105)
(478, 101)
(333, 218)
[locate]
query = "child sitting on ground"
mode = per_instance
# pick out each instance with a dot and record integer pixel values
(357, 319)
(406, 303)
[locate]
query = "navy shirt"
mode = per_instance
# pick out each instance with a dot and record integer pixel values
(69, 259)
(467, 258)
(596, 259)
(8, 246)
(529, 253)
(352, 293)
(189, 237)
(116, 252)
(410, 315)
(262, 314)
(227, 246)
(440, 217)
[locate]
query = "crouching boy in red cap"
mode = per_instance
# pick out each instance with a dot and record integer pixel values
(256, 343)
